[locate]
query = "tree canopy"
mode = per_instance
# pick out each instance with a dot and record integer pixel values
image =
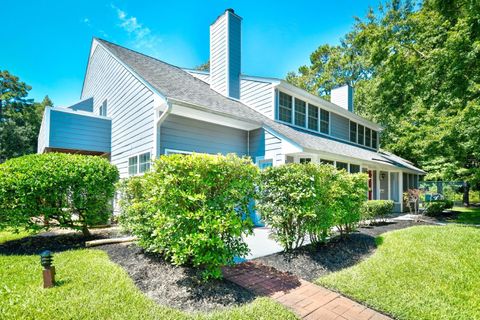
(416, 71)
(20, 118)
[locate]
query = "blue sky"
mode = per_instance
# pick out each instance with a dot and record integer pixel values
(46, 43)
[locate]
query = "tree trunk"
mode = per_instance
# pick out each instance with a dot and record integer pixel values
(466, 194)
(85, 231)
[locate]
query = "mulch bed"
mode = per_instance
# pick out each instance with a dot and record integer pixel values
(311, 262)
(176, 287)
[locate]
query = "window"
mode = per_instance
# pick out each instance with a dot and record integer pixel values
(374, 139)
(324, 121)
(312, 117)
(322, 161)
(300, 112)
(361, 135)
(354, 168)
(103, 109)
(305, 160)
(171, 151)
(353, 132)
(368, 136)
(144, 162)
(133, 166)
(265, 163)
(285, 108)
(342, 165)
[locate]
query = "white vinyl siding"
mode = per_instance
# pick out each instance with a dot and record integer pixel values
(130, 106)
(258, 96)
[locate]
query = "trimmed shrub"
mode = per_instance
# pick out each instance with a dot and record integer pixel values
(54, 189)
(189, 208)
(296, 201)
(436, 208)
(376, 209)
(350, 193)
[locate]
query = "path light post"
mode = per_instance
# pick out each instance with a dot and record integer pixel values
(46, 259)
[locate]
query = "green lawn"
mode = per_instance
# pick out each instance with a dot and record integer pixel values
(424, 272)
(93, 287)
(467, 215)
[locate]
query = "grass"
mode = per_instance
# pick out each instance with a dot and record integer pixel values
(424, 272)
(90, 286)
(469, 215)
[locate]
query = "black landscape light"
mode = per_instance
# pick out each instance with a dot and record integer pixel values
(46, 260)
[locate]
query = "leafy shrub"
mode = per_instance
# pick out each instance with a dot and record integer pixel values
(376, 209)
(436, 208)
(350, 193)
(189, 209)
(54, 189)
(295, 200)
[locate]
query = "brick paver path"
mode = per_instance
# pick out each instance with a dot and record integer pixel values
(306, 299)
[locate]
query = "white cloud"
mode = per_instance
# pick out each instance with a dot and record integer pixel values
(142, 36)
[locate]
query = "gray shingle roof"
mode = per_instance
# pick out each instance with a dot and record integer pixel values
(175, 83)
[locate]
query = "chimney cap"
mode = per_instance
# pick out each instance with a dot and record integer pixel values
(230, 10)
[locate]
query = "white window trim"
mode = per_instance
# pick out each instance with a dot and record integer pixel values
(176, 151)
(319, 121)
(137, 155)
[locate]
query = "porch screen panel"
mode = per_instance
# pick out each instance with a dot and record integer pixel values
(383, 185)
(374, 185)
(395, 192)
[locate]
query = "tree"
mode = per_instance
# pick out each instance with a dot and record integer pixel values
(204, 66)
(20, 118)
(416, 69)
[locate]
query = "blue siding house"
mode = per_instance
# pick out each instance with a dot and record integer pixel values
(134, 108)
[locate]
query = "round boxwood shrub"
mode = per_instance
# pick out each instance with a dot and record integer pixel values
(55, 189)
(376, 209)
(189, 208)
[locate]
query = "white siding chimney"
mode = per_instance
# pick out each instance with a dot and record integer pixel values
(225, 54)
(343, 97)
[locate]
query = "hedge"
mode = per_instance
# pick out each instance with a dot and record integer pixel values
(376, 209)
(297, 200)
(189, 208)
(55, 189)
(435, 208)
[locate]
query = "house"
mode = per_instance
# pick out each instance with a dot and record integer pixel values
(134, 108)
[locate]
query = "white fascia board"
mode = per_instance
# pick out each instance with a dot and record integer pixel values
(161, 96)
(80, 112)
(319, 102)
(190, 110)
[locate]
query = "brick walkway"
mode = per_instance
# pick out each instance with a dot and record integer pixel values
(306, 299)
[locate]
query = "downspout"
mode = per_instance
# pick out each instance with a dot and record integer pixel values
(158, 121)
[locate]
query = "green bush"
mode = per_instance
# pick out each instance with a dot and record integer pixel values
(295, 201)
(436, 208)
(350, 193)
(43, 190)
(376, 209)
(190, 208)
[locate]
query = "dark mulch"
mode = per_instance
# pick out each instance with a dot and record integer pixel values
(55, 241)
(312, 262)
(176, 287)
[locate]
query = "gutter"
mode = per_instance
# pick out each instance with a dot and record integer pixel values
(157, 123)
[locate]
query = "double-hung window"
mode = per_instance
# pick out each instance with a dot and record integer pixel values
(374, 139)
(353, 132)
(305, 160)
(103, 109)
(324, 121)
(368, 137)
(312, 117)
(285, 107)
(144, 164)
(361, 135)
(132, 166)
(300, 112)
(342, 166)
